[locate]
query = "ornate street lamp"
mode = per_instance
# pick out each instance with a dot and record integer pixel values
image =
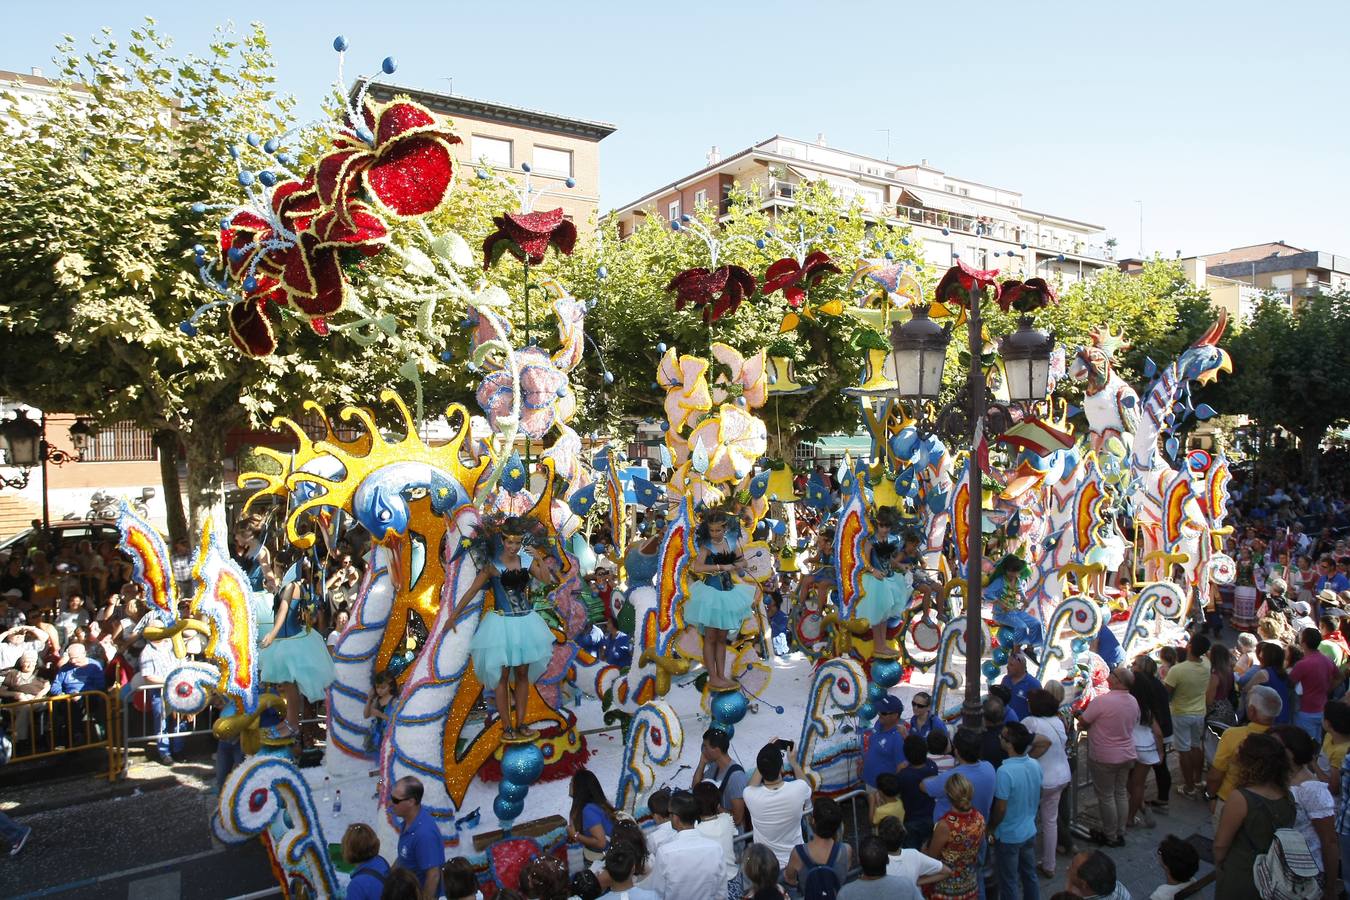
(919, 352)
(24, 441)
(1026, 359)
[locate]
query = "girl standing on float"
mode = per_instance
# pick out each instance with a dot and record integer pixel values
(512, 642)
(885, 589)
(716, 604)
(293, 654)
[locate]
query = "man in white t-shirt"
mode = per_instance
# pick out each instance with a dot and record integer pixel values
(775, 805)
(911, 866)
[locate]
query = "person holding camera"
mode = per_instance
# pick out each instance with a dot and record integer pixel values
(776, 805)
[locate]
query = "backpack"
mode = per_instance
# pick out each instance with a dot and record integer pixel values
(1287, 871)
(818, 882)
(722, 787)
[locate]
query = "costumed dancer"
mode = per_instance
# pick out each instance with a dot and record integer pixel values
(250, 552)
(512, 643)
(1004, 591)
(293, 655)
(886, 589)
(815, 587)
(717, 604)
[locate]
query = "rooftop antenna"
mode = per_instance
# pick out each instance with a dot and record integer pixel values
(451, 80)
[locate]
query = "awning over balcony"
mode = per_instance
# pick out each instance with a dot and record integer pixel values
(844, 186)
(943, 200)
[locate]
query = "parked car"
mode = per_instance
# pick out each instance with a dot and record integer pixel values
(68, 531)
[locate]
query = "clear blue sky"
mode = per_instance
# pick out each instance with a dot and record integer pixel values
(1225, 119)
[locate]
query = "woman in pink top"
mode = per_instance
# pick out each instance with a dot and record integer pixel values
(1110, 719)
(1316, 673)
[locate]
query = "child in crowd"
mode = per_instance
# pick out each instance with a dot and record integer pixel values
(382, 695)
(888, 786)
(1180, 862)
(459, 881)
(1168, 657)
(1246, 654)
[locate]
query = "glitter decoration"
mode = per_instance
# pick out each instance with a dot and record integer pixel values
(836, 690)
(528, 235)
(653, 740)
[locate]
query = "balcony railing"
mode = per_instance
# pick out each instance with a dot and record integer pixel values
(964, 223)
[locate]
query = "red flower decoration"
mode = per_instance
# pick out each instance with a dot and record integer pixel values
(294, 204)
(960, 280)
(718, 292)
(312, 269)
(528, 235)
(402, 157)
(794, 278)
(251, 319)
(1025, 296)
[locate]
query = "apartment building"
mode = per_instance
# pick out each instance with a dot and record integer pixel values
(1276, 266)
(985, 225)
(505, 138)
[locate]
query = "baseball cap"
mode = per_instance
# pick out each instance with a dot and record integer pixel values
(889, 704)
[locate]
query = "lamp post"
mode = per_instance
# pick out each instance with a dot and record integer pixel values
(919, 350)
(24, 441)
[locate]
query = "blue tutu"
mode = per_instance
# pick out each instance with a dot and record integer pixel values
(301, 659)
(884, 598)
(502, 642)
(709, 607)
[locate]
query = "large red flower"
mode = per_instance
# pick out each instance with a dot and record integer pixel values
(528, 235)
(251, 236)
(794, 278)
(718, 292)
(251, 318)
(960, 281)
(312, 271)
(1025, 296)
(402, 158)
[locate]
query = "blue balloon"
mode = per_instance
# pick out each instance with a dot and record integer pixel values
(875, 692)
(867, 712)
(507, 811)
(1172, 446)
(609, 377)
(1004, 636)
(1000, 656)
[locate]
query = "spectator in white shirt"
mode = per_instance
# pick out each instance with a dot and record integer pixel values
(910, 866)
(620, 861)
(339, 626)
(716, 824)
(689, 865)
(72, 617)
(775, 805)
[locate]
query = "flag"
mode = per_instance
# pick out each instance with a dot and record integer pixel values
(1037, 436)
(583, 500)
(981, 447)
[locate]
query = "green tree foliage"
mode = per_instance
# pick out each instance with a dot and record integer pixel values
(636, 313)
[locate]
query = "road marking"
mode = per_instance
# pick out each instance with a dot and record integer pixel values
(117, 876)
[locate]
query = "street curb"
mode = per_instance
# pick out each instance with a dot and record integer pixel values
(115, 792)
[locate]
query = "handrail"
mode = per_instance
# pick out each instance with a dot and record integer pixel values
(98, 713)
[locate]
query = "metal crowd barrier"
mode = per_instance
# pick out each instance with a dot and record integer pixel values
(65, 724)
(144, 730)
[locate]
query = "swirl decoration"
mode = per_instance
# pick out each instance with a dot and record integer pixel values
(655, 739)
(837, 688)
(1221, 568)
(1156, 603)
(850, 537)
(960, 502)
(150, 564)
(657, 662)
(355, 654)
(920, 637)
(1082, 619)
(266, 796)
(950, 678)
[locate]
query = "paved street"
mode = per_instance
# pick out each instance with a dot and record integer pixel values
(145, 838)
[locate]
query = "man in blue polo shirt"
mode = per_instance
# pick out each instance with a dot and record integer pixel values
(1019, 683)
(885, 746)
(420, 848)
(1017, 796)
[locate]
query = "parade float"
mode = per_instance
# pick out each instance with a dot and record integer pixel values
(881, 609)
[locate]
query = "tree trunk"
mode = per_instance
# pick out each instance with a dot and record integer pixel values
(1309, 445)
(166, 443)
(205, 446)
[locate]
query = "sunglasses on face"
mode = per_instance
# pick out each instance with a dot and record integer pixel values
(395, 801)
(920, 705)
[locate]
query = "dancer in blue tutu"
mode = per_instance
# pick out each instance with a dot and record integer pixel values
(513, 644)
(717, 604)
(886, 589)
(293, 655)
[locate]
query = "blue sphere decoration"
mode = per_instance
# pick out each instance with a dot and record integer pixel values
(245, 178)
(388, 66)
(945, 231)
(570, 182)
(253, 139)
(199, 208)
(685, 218)
(236, 254)
(524, 167)
(886, 672)
(267, 178)
(1004, 636)
(829, 229)
(661, 347)
(674, 225)
(1060, 258)
(955, 255)
(513, 791)
(285, 159)
(867, 712)
(234, 151)
(990, 669)
(602, 272)
(482, 174)
(890, 255)
(609, 377)
(522, 763)
(250, 283)
(904, 242)
(225, 223)
(562, 391)
(875, 692)
(507, 810)
(340, 44)
(1023, 246)
(728, 707)
(447, 355)
(1000, 656)
(876, 245)
(187, 328)
(768, 234)
(760, 243)
(665, 426)
(655, 386)
(1079, 645)
(198, 249)
(271, 145)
